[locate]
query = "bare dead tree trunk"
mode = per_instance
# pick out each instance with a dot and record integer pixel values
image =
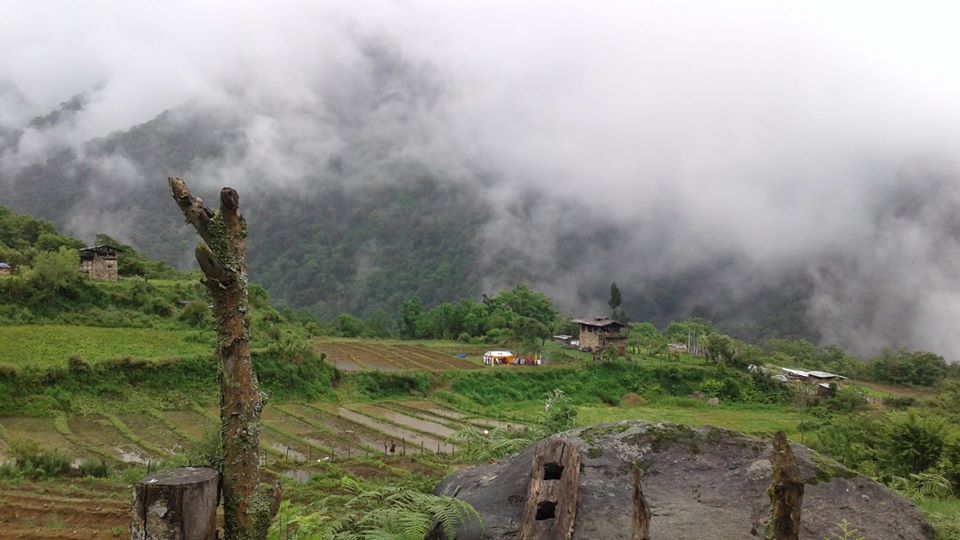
(248, 505)
(786, 491)
(640, 520)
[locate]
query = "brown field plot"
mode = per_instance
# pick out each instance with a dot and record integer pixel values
(391, 356)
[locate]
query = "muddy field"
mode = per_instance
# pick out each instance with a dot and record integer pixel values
(294, 437)
(355, 356)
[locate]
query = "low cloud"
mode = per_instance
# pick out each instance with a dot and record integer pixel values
(758, 145)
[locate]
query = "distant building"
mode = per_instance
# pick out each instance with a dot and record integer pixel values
(598, 332)
(492, 358)
(563, 339)
(813, 377)
(821, 376)
(5, 269)
(99, 262)
(677, 348)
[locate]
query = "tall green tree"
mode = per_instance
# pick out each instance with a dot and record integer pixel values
(410, 314)
(57, 270)
(615, 299)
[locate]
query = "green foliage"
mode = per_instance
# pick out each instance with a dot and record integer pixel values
(916, 443)
(905, 367)
(197, 314)
(607, 382)
(51, 346)
(94, 468)
(208, 452)
(132, 263)
(378, 384)
(478, 446)
(844, 531)
(45, 391)
(692, 327)
(347, 325)
(33, 462)
(390, 512)
(307, 377)
(920, 485)
(559, 414)
(56, 270)
(518, 317)
(846, 399)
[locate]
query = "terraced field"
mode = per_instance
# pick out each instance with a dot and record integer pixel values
(292, 433)
(388, 356)
(82, 509)
(294, 437)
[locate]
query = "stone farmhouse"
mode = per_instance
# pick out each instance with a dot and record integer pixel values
(99, 262)
(598, 332)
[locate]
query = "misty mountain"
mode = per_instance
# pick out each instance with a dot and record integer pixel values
(805, 187)
(340, 249)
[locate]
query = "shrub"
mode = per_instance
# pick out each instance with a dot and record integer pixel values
(376, 384)
(916, 443)
(197, 314)
(208, 452)
(31, 461)
(559, 413)
(94, 468)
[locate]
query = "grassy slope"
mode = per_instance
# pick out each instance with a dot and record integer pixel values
(45, 346)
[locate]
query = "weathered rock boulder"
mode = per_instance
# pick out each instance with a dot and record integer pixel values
(699, 484)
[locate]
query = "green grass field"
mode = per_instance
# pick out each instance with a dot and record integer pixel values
(45, 346)
(751, 419)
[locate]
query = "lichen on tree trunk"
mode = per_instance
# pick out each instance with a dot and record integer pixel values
(249, 505)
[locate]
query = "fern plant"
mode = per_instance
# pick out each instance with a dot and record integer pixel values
(476, 446)
(389, 512)
(844, 531)
(920, 485)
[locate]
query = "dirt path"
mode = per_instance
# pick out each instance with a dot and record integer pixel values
(76, 510)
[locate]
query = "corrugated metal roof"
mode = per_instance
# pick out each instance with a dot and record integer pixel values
(4, 265)
(825, 375)
(598, 321)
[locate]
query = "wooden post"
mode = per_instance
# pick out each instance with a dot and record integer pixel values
(176, 504)
(551, 503)
(786, 491)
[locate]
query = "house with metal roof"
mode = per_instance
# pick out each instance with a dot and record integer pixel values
(598, 332)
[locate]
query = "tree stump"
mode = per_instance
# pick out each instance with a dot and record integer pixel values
(176, 504)
(786, 491)
(641, 510)
(551, 504)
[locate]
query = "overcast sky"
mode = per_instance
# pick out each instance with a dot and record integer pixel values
(819, 137)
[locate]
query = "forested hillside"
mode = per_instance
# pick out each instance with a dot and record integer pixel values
(340, 248)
